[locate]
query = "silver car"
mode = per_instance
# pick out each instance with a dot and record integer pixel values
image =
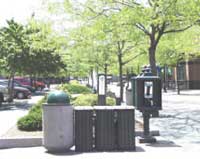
(3, 93)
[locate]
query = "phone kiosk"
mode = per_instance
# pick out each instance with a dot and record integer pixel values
(147, 98)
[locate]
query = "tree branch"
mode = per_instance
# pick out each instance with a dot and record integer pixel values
(126, 4)
(130, 47)
(142, 28)
(177, 30)
(103, 12)
(127, 61)
(160, 32)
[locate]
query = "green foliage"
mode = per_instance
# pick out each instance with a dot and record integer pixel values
(29, 49)
(110, 101)
(91, 100)
(32, 121)
(75, 88)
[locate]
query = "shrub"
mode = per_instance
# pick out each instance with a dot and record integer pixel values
(110, 101)
(91, 100)
(85, 100)
(33, 120)
(75, 88)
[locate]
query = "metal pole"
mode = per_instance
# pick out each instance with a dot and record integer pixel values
(146, 118)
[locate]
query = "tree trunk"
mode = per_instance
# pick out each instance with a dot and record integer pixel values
(165, 79)
(177, 79)
(11, 87)
(92, 79)
(120, 77)
(97, 78)
(152, 59)
(105, 72)
(31, 80)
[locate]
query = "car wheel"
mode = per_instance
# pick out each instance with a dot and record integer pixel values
(20, 95)
(1, 98)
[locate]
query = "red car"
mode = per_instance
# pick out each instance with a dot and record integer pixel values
(26, 81)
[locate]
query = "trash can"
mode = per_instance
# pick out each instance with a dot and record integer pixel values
(58, 122)
(129, 97)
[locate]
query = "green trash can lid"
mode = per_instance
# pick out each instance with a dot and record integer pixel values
(58, 97)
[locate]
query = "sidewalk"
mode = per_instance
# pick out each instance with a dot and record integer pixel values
(158, 151)
(179, 125)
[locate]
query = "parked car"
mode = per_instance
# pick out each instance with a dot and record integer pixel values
(30, 88)
(18, 84)
(3, 94)
(26, 81)
(19, 92)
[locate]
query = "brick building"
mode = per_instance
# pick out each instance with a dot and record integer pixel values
(188, 74)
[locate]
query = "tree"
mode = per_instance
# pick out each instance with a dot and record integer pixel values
(13, 45)
(28, 50)
(157, 18)
(113, 37)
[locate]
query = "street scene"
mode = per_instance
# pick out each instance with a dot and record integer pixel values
(99, 79)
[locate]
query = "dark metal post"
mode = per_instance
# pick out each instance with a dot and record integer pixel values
(146, 118)
(147, 137)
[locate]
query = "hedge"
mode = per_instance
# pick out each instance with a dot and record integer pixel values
(91, 100)
(33, 120)
(75, 88)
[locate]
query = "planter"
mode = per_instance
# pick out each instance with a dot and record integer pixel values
(57, 127)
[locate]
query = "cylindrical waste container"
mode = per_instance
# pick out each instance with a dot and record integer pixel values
(58, 122)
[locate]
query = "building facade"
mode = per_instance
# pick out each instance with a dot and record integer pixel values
(188, 74)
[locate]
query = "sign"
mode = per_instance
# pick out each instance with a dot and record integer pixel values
(101, 85)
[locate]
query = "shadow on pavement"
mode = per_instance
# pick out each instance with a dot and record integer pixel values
(39, 93)
(188, 94)
(22, 105)
(72, 152)
(163, 143)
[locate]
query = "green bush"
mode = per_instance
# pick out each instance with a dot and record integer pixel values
(75, 88)
(110, 101)
(91, 100)
(85, 100)
(33, 120)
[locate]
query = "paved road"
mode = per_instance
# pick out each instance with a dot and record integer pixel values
(9, 114)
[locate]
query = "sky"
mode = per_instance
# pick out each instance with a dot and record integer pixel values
(20, 10)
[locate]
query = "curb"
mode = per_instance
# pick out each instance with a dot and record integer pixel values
(20, 142)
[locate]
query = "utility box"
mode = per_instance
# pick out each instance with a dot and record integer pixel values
(147, 94)
(115, 128)
(84, 128)
(125, 128)
(105, 129)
